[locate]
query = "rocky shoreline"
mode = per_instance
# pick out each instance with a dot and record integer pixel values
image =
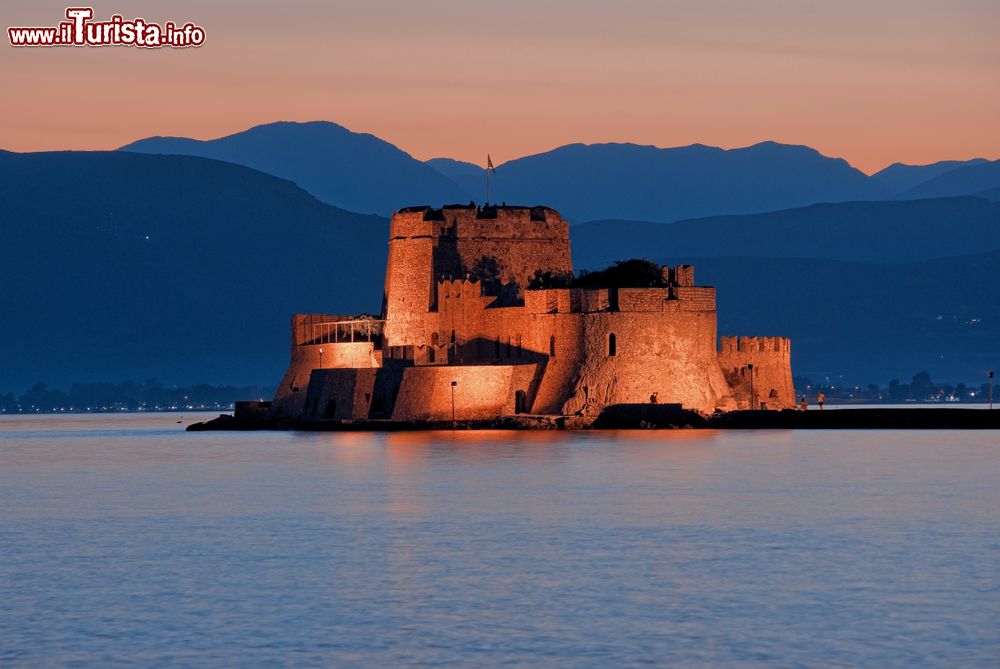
(644, 416)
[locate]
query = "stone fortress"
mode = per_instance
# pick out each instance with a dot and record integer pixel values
(470, 331)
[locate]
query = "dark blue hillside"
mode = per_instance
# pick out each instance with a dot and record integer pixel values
(873, 232)
(126, 266)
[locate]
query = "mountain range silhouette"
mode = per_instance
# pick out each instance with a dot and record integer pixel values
(360, 172)
(151, 262)
(356, 171)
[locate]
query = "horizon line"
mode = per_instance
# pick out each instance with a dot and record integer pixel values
(207, 139)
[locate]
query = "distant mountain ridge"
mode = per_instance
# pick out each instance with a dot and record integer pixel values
(869, 232)
(587, 182)
(129, 264)
(121, 265)
(354, 171)
(469, 177)
(450, 167)
(360, 172)
(900, 177)
(965, 180)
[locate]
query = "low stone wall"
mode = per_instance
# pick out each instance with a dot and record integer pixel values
(482, 391)
(289, 400)
(343, 394)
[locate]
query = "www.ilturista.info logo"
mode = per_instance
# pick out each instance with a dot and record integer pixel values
(79, 30)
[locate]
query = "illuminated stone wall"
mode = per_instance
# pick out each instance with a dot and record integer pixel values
(289, 400)
(339, 393)
(429, 245)
(669, 353)
(481, 391)
(510, 348)
(772, 370)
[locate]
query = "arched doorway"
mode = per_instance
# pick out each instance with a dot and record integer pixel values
(520, 402)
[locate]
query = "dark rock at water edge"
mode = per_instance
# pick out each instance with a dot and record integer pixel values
(652, 416)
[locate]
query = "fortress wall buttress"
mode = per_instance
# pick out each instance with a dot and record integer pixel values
(772, 370)
(289, 399)
(560, 337)
(538, 336)
(409, 289)
(481, 392)
(339, 394)
(629, 356)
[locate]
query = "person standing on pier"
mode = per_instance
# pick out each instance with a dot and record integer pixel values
(820, 399)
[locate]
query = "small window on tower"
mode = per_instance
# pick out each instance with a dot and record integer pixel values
(612, 344)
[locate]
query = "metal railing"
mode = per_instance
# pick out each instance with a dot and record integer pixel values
(333, 330)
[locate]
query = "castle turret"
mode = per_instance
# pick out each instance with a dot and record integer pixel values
(409, 276)
(492, 245)
(760, 363)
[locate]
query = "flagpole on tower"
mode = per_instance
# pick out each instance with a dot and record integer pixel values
(489, 169)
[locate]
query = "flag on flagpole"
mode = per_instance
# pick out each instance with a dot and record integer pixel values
(489, 170)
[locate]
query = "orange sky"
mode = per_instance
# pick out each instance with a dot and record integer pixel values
(873, 82)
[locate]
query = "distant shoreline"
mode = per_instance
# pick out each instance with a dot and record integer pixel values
(829, 405)
(109, 411)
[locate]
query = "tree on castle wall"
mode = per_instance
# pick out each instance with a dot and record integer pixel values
(488, 271)
(545, 279)
(633, 273)
(494, 280)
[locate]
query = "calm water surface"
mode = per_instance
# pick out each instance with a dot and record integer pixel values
(125, 541)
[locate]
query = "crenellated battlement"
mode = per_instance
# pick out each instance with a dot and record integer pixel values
(755, 345)
(681, 275)
(472, 222)
(456, 289)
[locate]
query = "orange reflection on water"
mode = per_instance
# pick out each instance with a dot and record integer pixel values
(418, 448)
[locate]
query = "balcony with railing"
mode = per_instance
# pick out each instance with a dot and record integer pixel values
(312, 329)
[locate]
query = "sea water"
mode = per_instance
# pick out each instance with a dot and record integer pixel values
(125, 541)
